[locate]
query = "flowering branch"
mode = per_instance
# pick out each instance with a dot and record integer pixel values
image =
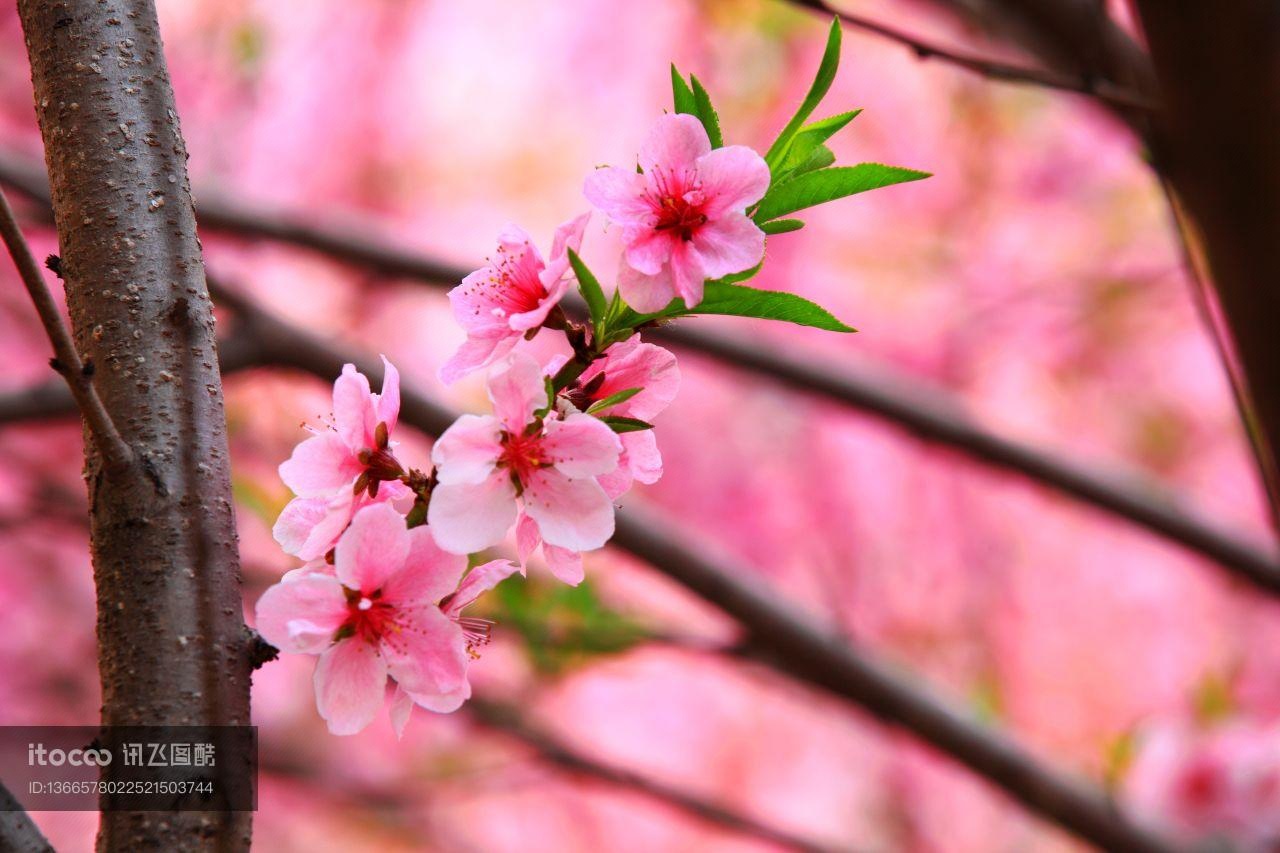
(781, 638)
(66, 360)
(928, 414)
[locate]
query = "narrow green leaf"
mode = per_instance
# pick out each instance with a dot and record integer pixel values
(681, 94)
(707, 113)
(814, 188)
(613, 400)
(819, 158)
(811, 137)
(591, 292)
(821, 85)
(781, 226)
(618, 424)
(738, 301)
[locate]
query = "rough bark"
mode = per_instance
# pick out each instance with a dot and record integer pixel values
(172, 641)
(18, 834)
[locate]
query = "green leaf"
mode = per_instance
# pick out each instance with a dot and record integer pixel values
(811, 137)
(738, 301)
(591, 292)
(821, 85)
(619, 424)
(707, 113)
(781, 226)
(820, 158)
(613, 400)
(825, 185)
(681, 94)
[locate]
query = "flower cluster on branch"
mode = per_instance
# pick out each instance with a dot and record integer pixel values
(386, 546)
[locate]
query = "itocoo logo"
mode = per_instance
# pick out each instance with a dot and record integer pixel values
(38, 755)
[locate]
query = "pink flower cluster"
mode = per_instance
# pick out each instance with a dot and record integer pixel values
(381, 593)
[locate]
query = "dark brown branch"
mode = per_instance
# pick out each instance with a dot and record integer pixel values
(66, 361)
(18, 834)
(507, 720)
(172, 646)
(927, 414)
(795, 645)
(1117, 97)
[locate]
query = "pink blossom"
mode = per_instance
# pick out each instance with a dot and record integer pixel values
(484, 464)
(684, 218)
(625, 366)
(506, 299)
(1222, 781)
(343, 467)
(389, 607)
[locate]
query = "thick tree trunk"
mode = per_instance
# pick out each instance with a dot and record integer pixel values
(1218, 142)
(172, 641)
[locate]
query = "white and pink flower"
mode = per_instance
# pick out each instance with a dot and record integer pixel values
(510, 296)
(390, 607)
(625, 366)
(684, 218)
(549, 465)
(342, 467)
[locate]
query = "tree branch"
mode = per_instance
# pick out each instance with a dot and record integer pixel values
(172, 646)
(18, 834)
(927, 414)
(507, 720)
(1117, 97)
(66, 361)
(796, 647)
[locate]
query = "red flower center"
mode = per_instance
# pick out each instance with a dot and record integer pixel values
(368, 616)
(522, 454)
(676, 214)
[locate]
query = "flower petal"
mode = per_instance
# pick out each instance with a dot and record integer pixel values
(387, 403)
(350, 681)
(428, 654)
(643, 458)
(476, 352)
(527, 539)
(674, 143)
(429, 574)
(648, 249)
(728, 245)
(468, 450)
(732, 179)
(574, 514)
(517, 390)
(478, 581)
(581, 446)
(647, 294)
(566, 565)
(443, 703)
(399, 709)
(468, 517)
(632, 364)
(309, 527)
(619, 194)
(373, 548)
(320, 466)
(687, 275)
(302, 615)
(353, 412)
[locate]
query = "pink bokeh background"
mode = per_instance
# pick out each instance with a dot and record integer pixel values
(1035, 278)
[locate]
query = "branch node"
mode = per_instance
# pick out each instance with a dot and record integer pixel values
(260, 651)
(54, 264)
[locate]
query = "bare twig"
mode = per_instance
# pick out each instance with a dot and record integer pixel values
(507, 720)
(18, 834)
(1103, 90)
(792, 642)
(66, 360)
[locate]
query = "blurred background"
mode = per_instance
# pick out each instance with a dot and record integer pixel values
(1035, 280)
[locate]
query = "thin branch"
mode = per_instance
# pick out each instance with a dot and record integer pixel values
(79, 376)
(930, 415)
(1102, 90)
(507, 720)
(791, 641)
(18, 834)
